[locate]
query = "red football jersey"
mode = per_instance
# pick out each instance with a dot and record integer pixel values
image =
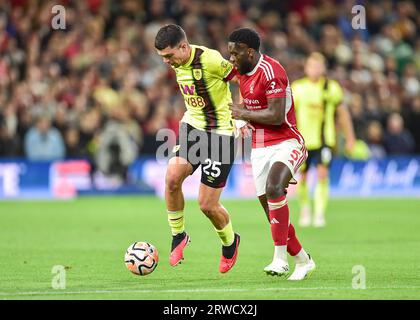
(269, 80)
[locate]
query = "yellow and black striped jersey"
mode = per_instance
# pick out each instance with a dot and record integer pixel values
(315, 105)
(203, 82)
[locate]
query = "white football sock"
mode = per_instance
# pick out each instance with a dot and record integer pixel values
(280, 252)
(301, 257)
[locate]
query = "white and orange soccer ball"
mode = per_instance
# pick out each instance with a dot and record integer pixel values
(141, 258)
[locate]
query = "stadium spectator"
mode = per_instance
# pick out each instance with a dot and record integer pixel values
(118, 144)
(8, 143)
(397, 139)
(43, 142)
(413, 121)
(358, 116)
(72, 140)
(106, 56)
(374, 139)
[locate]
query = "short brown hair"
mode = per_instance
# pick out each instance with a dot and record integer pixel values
(169, 36)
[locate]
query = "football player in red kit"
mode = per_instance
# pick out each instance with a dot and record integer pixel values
(278, 149)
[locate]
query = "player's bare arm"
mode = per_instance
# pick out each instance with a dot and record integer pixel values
(346, 125)
(274, 114)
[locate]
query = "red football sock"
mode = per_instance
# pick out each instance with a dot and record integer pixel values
(279, 220)
(293, 244)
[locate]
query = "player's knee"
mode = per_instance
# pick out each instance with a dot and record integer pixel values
(173, 181)
(274, 190)
(207, 206)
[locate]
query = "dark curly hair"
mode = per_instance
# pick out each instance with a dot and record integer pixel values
(248, 36)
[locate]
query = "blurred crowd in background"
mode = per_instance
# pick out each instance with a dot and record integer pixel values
(98, 85)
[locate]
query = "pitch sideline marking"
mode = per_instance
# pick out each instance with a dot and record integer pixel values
(34, 293)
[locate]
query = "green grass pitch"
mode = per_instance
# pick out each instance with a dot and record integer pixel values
(89, 237)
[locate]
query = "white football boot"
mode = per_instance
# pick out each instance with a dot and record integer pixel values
(303, 270)
(278, 267)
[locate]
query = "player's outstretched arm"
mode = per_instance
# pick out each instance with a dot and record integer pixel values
(274, 114)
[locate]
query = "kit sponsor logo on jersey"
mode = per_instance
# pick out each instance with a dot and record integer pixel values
(273, 88)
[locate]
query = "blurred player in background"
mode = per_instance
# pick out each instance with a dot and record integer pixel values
(318, 102)
(207, 127)
(278, 148)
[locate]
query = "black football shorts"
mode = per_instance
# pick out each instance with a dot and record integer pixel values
(318, 156)
(215, 153)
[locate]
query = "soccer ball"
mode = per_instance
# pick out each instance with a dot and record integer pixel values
(141, 258)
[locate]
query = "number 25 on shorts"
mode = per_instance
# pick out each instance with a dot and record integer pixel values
(213, 166)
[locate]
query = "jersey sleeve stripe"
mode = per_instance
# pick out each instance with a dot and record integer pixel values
(230, 75)
(269, 68)
(264, 66)
(265, 73)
